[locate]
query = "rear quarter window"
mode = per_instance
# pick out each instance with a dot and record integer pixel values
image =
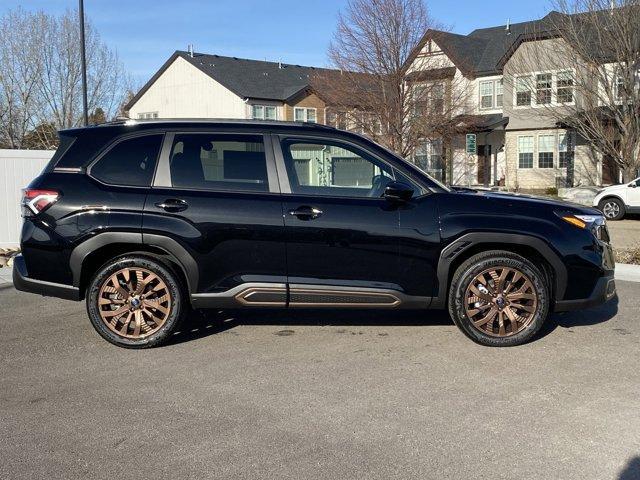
(130, 162)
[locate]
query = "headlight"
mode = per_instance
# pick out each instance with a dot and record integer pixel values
(596, 223)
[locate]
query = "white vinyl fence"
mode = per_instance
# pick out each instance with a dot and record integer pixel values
(17, 169)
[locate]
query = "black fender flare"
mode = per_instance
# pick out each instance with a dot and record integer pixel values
(171, 247)
(462, 244)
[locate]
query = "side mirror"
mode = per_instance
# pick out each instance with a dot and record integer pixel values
(398, 192)
(633, 185)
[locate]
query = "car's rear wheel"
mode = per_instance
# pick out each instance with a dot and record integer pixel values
(499, 298)
(612, 208)
(135, 302)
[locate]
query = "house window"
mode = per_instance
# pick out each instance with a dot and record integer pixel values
(337, 119)
(545, 151)
(304, 114)
(499, 89)
(437, 98)
(264, 112)
(148, 115)
(428, 157)
(619, 87)
(486, 95)
(525, 152)
(523, 92)
(490, 94)
(563, 150)
(564, 87)
(544, 83)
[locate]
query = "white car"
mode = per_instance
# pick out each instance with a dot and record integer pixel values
(617, 200)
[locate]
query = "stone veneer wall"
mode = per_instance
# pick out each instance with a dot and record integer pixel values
(586, 162)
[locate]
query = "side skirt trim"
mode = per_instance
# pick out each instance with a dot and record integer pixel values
(307, 296)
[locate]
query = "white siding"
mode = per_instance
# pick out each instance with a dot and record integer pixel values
(183, 91)
(17, 169)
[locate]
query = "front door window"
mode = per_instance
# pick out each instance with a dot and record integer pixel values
(334, 170)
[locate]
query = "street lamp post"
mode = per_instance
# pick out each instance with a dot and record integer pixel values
(83, 59)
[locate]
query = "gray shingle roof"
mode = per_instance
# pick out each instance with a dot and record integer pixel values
(254, 78)
(480, 52)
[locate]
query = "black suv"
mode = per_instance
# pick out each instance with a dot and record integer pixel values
(147, 219)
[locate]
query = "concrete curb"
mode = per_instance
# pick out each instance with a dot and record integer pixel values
(627, 272)
(624, 272)
(6, 275)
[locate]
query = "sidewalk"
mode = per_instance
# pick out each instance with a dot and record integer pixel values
(5, 275)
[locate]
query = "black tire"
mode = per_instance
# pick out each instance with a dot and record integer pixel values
(176, 306)
(612, 208)
(482, 262)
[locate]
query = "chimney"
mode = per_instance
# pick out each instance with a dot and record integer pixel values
(190, 47)
(508, 27)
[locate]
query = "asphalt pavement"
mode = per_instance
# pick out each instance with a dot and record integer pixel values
(319, 395)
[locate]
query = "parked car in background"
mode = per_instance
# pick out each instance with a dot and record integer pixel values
(618, 200)
(145, 220)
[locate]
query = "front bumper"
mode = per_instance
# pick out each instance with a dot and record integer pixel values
(604, 291)
(22, 282)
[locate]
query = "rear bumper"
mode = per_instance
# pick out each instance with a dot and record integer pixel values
(604, 291)
(22, 282)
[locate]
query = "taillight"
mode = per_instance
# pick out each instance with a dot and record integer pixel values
(35, 201)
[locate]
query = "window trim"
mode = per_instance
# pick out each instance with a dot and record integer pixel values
(533, 152)
(494, 93)
(283, 175)
(264, 111)
(118, 140)
(306, 114)
(163, 169)
(554, 146)
(532, 76)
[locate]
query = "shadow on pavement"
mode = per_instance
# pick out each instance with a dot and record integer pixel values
(631, 470)
(580, 318)
(203, 323)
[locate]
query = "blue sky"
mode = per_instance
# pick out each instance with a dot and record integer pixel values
(146, 32)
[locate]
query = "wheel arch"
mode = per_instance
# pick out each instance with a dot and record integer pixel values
(615, 197)
(530, 247)
(87, 257)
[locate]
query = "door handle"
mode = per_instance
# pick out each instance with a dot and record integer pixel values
(173, 205)
(306, 213)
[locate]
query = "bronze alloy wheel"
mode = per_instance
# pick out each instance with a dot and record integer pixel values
(500, 301)
(134, 303)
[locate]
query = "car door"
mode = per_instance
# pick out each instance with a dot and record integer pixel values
(633, 195)
(216, 196)
(342, 246)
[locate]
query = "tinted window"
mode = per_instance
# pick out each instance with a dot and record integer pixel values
(219, 162)
(130, 162)
(334, 170)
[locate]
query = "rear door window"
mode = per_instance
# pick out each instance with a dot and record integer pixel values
(219, 162)
(130, 162)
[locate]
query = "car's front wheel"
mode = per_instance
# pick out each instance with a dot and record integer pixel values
(135, 302)
(612, 208)
(499, 298)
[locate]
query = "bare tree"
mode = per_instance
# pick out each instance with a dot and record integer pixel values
(593, 48)
(40, 81)
(374, 93)
(20, 74)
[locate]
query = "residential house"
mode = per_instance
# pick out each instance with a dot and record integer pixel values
(519, 146)
(197, 85)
